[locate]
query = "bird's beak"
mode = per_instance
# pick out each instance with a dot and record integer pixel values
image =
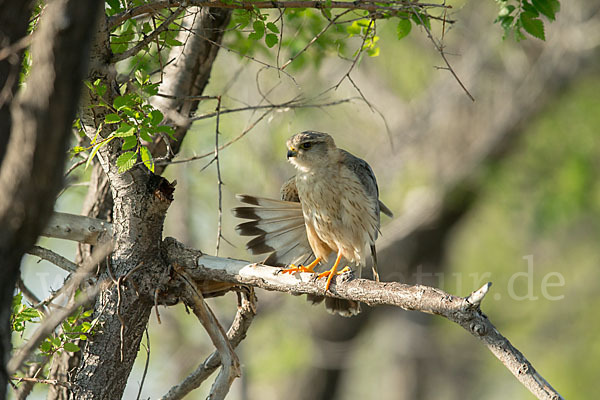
(291, 153)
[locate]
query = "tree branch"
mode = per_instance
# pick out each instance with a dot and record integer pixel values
(78, 228)
(229, 361)
(392, 6)
(54, 258)
(463, 311)
(237, 333)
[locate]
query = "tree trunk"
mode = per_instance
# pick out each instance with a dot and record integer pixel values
(42, 114)
(140, 201)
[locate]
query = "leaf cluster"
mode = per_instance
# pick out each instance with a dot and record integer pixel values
(525, 15)
(76, 327)
(132, 119)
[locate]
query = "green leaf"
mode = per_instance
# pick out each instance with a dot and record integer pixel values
(114, 4)
(373, 52)
(72, 347)
(528, 7)
(421, 19)
(532, 25)
(259, 30)
(94, 151)
(83, 337)
(156, 117)
(139, 77)
(124, 130)
(147, 158)
(404, 27)
(166, 129)
(145, 135)
(112, 118)
(46, 346)
(173, 42)
(271, 39)
(353, 29)
(272, 27)
(547, 7)
(129, 142)
(77, 149)
(126, 161)
(123, 101)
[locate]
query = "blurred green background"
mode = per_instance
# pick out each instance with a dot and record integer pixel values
(520, 164)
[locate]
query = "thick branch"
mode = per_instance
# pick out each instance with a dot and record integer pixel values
(409, 297)
(78, 228)
(463, 311)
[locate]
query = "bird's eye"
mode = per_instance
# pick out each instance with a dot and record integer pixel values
(306, 146)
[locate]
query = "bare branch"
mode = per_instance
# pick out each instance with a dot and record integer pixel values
(45, 381)
(53, 257)
(421, 298)
(237, 333)
(145, 365)
(440, 50)
(77, 228)
(219, 181)
(229, 361)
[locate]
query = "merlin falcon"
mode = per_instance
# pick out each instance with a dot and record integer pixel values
(330, 207)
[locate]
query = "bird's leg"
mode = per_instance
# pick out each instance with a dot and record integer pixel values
(333, 271)
(300, 268)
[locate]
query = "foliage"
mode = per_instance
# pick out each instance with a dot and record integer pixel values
(76, 327)
(136, 121)
(518, 15)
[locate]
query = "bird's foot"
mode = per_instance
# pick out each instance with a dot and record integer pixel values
(330, 273)
(300, 268)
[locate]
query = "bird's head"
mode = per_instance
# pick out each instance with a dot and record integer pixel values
(310, 149)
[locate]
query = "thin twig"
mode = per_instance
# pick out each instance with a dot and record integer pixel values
(44, 381)
(442, 54)
(294, 103)
(29, 295)
(219, 181)
(152, 36)
(314, 39)
(74, 166)
(232, 141)
(145, 365)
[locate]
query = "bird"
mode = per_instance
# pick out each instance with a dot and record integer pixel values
(331, 206)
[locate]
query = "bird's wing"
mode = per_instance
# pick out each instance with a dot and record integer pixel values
(366, 176)
(278, 228)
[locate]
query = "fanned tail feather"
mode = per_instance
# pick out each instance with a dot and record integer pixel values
(278, 228)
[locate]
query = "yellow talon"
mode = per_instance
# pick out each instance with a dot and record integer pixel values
(332, 272)
(310, 268)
